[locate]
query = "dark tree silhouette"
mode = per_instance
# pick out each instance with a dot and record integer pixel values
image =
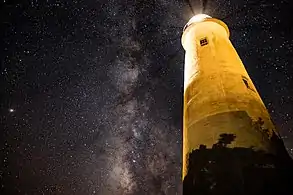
(225, 139)
(242, 171)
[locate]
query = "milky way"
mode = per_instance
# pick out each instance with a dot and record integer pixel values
(91, 101)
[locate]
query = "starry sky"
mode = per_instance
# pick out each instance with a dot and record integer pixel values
(91, 91)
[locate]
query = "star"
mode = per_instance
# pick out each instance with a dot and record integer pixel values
(11, 110)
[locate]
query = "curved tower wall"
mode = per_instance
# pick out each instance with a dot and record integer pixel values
(222, 107)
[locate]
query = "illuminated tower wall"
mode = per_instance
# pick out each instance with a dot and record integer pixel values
(228, 136)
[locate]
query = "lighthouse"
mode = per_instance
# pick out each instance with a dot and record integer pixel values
(230, 144)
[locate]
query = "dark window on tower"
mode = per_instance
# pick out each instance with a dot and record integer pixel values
(245, 82)
(203, 41)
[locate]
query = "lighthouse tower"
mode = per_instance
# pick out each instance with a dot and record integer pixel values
(230, 145)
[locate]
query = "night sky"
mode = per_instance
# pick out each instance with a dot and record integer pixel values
(91, 91)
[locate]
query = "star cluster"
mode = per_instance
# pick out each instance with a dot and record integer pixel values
(91, 91)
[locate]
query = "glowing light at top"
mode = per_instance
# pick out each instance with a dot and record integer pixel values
(197, 18)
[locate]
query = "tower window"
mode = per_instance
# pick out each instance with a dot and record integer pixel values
(246, 83)
(203, 41)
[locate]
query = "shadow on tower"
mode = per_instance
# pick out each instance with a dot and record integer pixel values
(221, 170)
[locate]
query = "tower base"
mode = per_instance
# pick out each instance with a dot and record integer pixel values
(226, 168)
